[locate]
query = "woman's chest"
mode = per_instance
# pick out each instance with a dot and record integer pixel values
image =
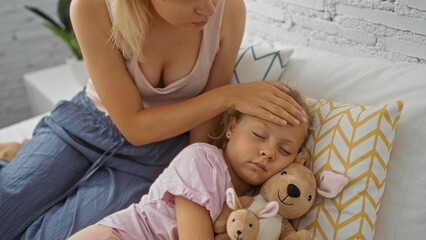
(169, 58)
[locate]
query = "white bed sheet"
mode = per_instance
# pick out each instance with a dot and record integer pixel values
(19, 131)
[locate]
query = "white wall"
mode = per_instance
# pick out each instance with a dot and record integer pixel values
(25, 46)
(392, 29)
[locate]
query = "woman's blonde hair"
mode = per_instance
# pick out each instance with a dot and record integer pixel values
(131, 20)
(219, 139)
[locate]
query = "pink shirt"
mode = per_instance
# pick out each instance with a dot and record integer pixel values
(198, 173)
(182, 89)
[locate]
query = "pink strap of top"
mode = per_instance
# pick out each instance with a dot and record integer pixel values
(182, 89)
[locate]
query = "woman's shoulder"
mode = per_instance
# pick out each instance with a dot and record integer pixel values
(91, 20)
(235, 5)
(91, 4)
(233, 23)
(234, 12)
(92, 9)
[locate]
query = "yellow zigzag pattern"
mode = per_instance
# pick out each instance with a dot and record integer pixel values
(355, 140)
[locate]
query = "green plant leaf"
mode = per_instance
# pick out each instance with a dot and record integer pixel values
(64, 13)
(66, 32)
(76, 47)
(67, 37)
(64, 35)
(43, 15)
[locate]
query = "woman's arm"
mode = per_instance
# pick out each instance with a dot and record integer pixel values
(121, 98)
(193, 220)
(231, 35)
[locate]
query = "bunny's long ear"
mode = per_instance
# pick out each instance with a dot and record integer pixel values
(268, 210)
(330, 183)
(232, 199)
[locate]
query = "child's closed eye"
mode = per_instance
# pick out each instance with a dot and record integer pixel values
(284, 151)
(258, 135)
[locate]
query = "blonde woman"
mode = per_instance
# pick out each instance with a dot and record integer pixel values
(159, 74)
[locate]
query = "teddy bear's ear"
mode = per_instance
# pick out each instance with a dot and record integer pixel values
(232, 199)
(303, 158)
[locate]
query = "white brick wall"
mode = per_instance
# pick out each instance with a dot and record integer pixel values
(392, 29)
(25, 46)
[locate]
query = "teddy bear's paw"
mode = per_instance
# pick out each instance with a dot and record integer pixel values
(299, 235)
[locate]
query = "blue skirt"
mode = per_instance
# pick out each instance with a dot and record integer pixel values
(76, 170)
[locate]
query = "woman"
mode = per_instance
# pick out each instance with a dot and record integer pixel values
(159, 72)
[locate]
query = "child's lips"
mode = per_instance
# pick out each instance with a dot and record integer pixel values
(259, 166)
(200, 24)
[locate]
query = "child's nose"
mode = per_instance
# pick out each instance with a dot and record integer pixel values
(267, 153)
(206, 8)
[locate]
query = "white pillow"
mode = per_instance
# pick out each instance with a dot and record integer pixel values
(269, 64)
(369, 81)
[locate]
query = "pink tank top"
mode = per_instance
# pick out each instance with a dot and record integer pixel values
(182, 89)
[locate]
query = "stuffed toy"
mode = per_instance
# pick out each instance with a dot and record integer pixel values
(244, 223)
(295, 189)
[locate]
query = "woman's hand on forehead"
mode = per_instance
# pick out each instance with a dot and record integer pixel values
(269, 101)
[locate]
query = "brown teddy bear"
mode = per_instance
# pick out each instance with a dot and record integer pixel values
(294, 188)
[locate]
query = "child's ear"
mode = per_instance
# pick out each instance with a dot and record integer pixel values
(232, 123)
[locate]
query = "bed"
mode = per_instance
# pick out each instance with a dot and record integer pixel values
(389, 202)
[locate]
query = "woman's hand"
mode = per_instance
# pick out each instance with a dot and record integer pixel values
(267, 100)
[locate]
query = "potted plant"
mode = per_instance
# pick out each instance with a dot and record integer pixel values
(63, 29)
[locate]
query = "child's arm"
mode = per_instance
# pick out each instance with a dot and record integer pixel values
(193, 220)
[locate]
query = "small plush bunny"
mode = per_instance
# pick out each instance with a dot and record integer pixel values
(244, 223)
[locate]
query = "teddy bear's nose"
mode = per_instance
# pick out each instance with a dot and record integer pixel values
(239, 232)
(293, 191)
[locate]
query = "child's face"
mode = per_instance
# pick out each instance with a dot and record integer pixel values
(258, 149)
(185, 14)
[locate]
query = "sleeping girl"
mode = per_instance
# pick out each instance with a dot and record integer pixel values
(188, 196)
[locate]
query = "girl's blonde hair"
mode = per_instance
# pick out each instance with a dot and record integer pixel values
(219, 139)
(131, 20)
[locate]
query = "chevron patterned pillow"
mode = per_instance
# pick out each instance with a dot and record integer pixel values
(355, 140)
(260, 63)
